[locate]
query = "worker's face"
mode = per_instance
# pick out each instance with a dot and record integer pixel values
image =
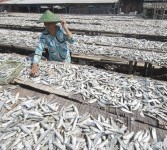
(50, 26)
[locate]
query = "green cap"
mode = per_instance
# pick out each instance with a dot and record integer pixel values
(48, 16)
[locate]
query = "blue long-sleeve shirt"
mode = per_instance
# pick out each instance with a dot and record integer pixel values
(57, 46)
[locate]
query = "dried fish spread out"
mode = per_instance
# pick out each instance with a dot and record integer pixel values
(30, 39)
(107, 89)
(116, 24)
(36, 123)
(19, 38)
(117, 52)
(127, 48)
(123, 42)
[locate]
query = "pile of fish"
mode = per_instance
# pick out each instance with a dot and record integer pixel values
(120, 27)
(35, 123)
(114, 90)
(130, 23)
(128, 93)
(71, 16)
(117, 52)
(30, 39)
(98, 23)
(140, 50)
(101, 17)
(26, 20)
(123, 42)
(19, 38)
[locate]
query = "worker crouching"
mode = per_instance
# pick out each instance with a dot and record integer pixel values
(56, 38)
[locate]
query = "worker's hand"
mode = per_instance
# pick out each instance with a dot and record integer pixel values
(34, 70)
(64, 24)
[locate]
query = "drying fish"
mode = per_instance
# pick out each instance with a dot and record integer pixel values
(116, 24)
(106, 89)
(95, 86)
(127, 48)
(24, 39)
(131, 43)
(75, 132)
(159, 58)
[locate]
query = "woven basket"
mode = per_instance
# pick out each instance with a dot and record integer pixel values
(16, 68)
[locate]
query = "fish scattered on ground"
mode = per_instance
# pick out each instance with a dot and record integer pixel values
(122, 24)
(107, 89)
(35, 123)
(119, 47)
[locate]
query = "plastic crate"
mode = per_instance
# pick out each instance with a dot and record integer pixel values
(9, 70)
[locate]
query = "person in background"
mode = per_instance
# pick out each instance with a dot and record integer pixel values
(56, 38)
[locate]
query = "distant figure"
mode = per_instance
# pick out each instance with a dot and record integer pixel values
(55, 38)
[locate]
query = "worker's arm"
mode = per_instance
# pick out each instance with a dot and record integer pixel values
(68, 35)
(37, 56)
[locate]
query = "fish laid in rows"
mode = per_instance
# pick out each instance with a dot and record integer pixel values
(87, 45)
(115, 24)
(107, 89)
(29, 39)
(36, 124)
(117, 52)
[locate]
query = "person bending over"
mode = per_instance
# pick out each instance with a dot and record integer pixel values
(56, 38)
